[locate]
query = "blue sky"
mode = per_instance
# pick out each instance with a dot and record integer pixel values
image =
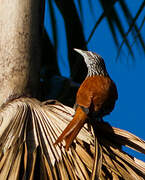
(128, 74)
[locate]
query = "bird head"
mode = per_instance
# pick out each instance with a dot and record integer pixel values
(94, 62)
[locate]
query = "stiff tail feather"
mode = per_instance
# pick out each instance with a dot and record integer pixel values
(73, 128)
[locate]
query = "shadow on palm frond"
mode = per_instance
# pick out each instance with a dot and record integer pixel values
(28, 129)
(115, 23)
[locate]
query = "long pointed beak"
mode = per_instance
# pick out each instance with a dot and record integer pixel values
(82, 52)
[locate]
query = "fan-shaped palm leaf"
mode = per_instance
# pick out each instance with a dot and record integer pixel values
(28, 129)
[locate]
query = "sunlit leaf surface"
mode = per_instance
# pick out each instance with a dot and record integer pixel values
(28, 129)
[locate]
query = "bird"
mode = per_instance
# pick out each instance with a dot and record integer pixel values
(96, 97)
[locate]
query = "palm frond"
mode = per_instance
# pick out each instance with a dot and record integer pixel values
(28, 129)
(115, 23)
(102, 16)
(27, 133)
(131, 25)
(138, 32)
(75, 37)
(53, 22)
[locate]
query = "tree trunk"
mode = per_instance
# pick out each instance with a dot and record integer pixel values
(19, 48)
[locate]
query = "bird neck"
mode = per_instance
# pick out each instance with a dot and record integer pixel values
(96, 72)
(92, 72)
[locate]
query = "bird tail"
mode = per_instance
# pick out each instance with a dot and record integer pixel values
(73, 128)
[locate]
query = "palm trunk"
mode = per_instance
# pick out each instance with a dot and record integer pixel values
(19, 48)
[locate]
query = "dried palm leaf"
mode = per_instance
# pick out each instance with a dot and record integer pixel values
(28, 129)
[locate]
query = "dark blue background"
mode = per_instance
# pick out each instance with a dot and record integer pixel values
(128, 74)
